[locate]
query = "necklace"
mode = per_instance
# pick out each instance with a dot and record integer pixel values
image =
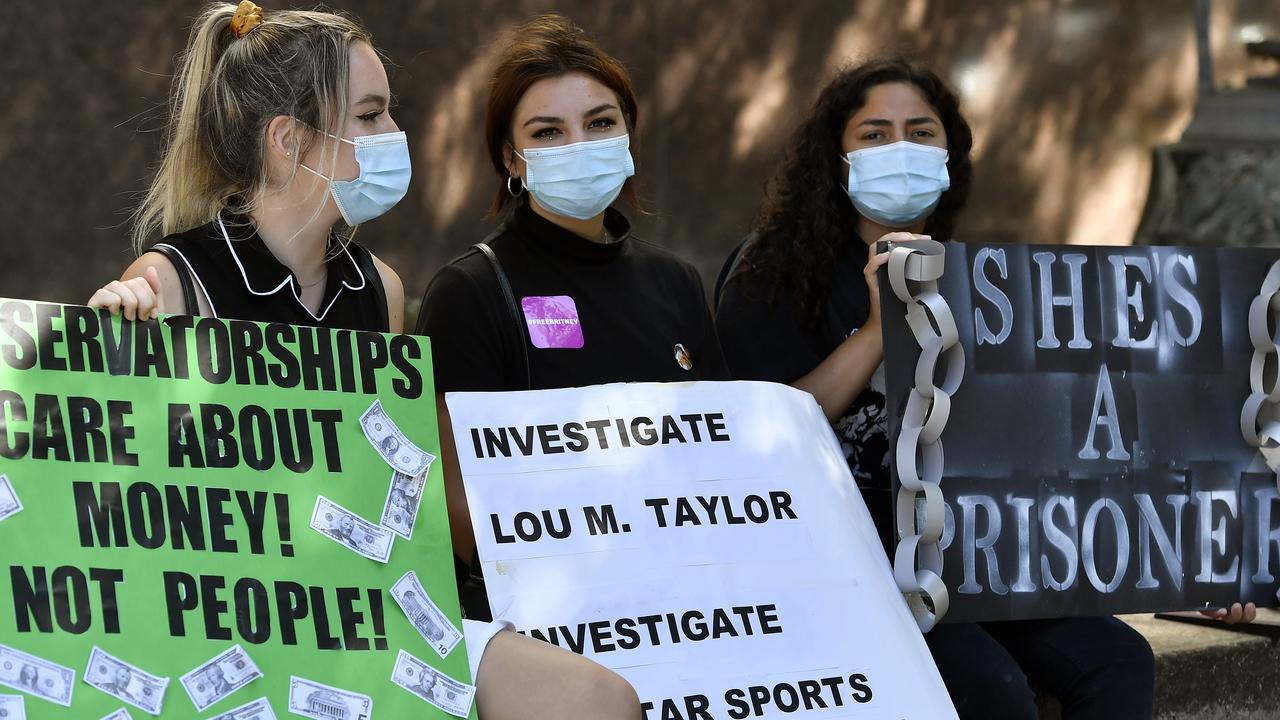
(323, 276)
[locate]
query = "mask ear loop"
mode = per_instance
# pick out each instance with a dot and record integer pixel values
(338, 138)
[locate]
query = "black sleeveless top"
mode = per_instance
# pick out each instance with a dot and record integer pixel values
(241, 279)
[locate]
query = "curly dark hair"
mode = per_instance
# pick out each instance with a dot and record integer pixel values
(806, 215)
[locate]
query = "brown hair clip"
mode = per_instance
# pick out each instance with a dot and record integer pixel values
(248, 16)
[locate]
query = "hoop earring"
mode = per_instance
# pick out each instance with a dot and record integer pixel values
(514, 193)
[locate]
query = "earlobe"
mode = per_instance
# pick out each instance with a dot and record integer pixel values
(511, 160)
(280, 135)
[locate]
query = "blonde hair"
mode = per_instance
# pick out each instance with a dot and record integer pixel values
(226, 91)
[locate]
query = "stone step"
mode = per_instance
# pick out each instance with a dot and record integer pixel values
(1209, 670)
(1206, 670)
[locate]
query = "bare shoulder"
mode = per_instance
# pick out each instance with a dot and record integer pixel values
(164, 268)
(394, 289)
(390, 280)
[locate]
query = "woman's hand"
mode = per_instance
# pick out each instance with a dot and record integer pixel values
(869, 273)
(138, 298)
(1233, 615)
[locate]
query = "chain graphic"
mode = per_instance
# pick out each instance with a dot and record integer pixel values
(914, 268)
(1260, 416)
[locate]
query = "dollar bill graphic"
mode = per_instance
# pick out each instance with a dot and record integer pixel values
(36, 676)
(12, 707)
(120, 714)
(219, 677)
(259, 709)
(392, 444)
(9, 503)
(322, 702)
(424, 615)
(352, 531)
(433, 686)
(126, 682)
(400, 511)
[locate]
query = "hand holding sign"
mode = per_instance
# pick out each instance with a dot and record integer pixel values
(871, 271)
(1237, 613)
(139, 298)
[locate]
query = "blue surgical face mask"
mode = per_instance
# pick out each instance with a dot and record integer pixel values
(383, 180)
(579, 180)
(897, 185)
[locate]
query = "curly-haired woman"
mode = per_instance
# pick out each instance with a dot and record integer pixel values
(884, 155)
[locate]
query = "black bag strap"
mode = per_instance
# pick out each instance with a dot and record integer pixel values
(729, 269)
(521, 332)
(364, 261)
(184, 276)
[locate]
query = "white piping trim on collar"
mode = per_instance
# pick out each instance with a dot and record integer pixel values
(243, 274)
(207, 297)
(355, 266)
(236, 256)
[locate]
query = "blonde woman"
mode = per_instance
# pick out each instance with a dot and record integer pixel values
(280, 134)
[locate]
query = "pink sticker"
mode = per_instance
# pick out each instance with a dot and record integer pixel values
(553, 321)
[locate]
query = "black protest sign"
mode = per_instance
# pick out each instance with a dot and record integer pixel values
(1094, 460)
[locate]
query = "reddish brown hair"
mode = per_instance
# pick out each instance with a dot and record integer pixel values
(548, 46)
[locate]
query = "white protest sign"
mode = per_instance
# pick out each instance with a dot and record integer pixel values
(705, 540)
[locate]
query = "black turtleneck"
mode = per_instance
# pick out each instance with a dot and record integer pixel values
(594, 312)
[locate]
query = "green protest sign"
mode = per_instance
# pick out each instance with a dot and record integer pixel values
(199, 514)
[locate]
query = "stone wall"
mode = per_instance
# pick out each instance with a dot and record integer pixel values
(1067, 97)
(1220, 196)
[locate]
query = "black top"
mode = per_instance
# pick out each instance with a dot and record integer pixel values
(592, 313)
(768, 341)
(241, 279)
(624, 311)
